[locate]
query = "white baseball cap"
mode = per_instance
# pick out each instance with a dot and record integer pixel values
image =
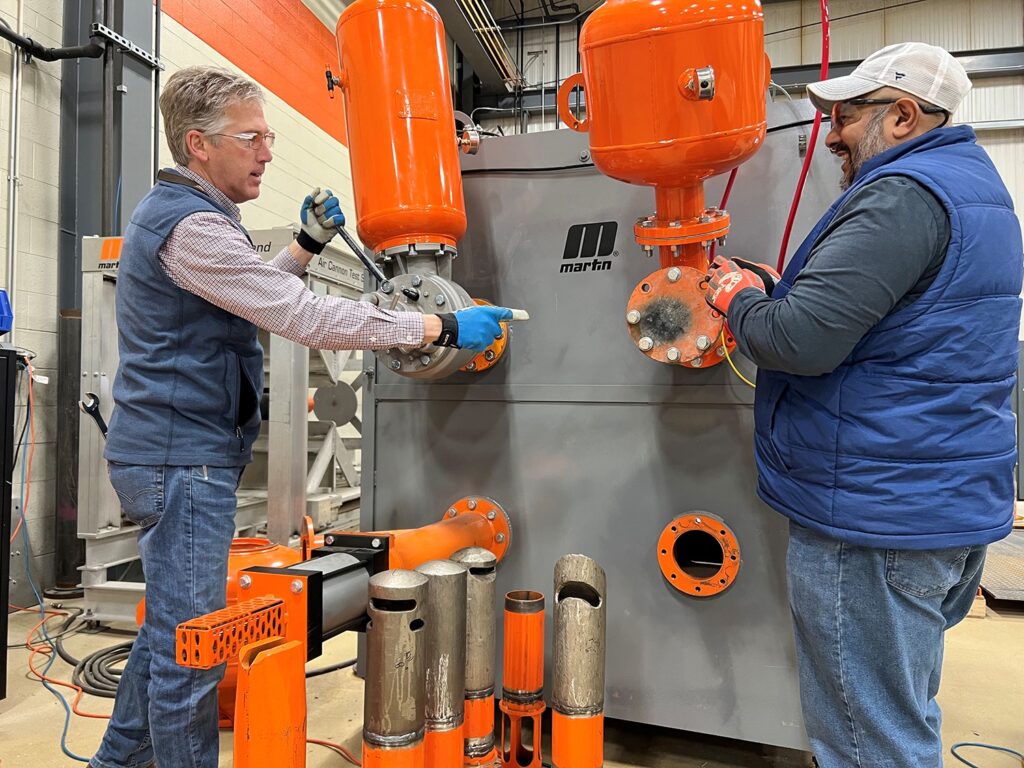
(922, 70)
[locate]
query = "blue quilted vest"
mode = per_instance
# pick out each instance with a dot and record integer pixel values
(911, 442)
(190, 376)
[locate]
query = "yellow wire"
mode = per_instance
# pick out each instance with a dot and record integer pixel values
(732, 365)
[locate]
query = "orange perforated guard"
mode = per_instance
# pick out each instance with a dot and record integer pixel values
(705, 585)
(209, 640)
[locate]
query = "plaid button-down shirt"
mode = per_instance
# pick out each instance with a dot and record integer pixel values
(208, 256)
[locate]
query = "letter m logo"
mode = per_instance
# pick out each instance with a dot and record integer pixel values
(590, 241)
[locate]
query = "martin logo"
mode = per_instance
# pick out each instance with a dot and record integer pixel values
(589, 246)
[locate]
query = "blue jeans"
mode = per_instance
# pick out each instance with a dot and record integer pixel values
(870, 626)
(163, 711)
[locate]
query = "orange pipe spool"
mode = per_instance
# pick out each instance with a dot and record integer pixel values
(478, 728)
(401, 757)
(522, 691)
(443, 749)
(577, 742)
(397, 92)
(470, 522)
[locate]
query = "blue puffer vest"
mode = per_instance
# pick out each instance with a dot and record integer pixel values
(911, 442)
(190, 377)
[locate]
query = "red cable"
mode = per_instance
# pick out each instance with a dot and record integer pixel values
(337, 748)
(813, 142)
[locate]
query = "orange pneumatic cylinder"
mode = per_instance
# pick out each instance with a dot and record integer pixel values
(401, 124)
(522, 690)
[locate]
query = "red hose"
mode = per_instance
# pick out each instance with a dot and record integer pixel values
(812, 144)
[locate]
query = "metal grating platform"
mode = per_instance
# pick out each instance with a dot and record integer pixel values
(1003, 577)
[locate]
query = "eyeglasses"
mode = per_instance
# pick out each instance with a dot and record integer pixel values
(252, 139)
(841, 121)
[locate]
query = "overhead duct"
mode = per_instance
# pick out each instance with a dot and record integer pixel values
(470, 24)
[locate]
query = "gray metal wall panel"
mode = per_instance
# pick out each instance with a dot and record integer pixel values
(594, 449)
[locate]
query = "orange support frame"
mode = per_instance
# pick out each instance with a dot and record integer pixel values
(270, 705)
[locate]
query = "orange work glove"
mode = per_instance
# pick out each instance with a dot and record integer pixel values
(725, 280)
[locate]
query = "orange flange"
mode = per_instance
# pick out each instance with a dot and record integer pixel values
(712, 224)
(493, 353)
(473, 521)
(699, 554)
(670, 321)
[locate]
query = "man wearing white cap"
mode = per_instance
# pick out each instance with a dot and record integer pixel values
(887, 356)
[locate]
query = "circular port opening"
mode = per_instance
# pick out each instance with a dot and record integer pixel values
(698, 554)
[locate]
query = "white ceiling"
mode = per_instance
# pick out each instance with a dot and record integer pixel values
(327, 11)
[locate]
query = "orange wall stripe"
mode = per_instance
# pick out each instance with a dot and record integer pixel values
(278, 43)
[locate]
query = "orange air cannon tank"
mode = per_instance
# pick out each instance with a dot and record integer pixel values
(675, 94)
(401, 124)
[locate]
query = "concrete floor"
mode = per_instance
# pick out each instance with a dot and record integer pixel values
(982, 698)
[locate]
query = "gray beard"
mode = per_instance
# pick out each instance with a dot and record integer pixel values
(871, 144)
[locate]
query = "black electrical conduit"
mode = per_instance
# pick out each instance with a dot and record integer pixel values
(36, 50)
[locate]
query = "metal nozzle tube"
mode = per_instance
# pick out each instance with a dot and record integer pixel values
(577, 681)
(481, 646)
(577, 697)
(446, 644)
(395, 653)
(481, 621)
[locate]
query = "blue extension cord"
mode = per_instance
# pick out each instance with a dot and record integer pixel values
(981, 745)
(39, 599)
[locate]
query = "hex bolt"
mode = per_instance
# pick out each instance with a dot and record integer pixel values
(417, 281)
(439, 300)
(697, 520)
(584, 156)
(245, 581)
(452, 512)
(425, 359)
(633, 316)
(675, 223)
(471, 504)
(500, 538)
(646, 344)
(395, 365)
(697, 362)
(491, 515)
(328, 540)
(375, 543)
(672, 354)
(721, 351)
(296, 586)
(674, 274)
(386, 287)
(471, 367)
(489, 355)
(703, 343)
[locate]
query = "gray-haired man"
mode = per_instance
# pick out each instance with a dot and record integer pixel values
(191, 294)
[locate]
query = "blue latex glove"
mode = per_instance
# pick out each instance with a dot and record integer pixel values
(480, 326)
(321, 215)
